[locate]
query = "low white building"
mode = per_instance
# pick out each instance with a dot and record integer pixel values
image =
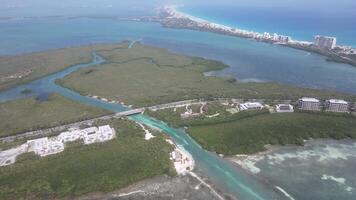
(44, 146)
(337, 105)
(70, 136)
(47, 146)
(251, 106)
(284, 108)
(100, 134)
(307, 103)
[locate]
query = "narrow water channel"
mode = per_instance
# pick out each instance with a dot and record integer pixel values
(223, 174)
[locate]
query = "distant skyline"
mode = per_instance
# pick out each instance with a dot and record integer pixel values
(23, 8)
(300, 19)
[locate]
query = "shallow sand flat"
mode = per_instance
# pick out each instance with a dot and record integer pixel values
(160, 188)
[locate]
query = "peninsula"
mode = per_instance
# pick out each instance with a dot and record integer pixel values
(170, 17)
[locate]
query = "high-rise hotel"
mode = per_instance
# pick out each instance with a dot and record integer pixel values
(325, 42)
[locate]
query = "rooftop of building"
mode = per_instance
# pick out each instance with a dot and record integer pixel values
(308, 99)
(338, 101)
(252, 104)
(326, 37)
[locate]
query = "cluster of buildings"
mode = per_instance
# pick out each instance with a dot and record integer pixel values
(306, 104)
(276, 38)
(332, 105)
(47, 146)
(281, 108)
(173, 18)
(170, 17)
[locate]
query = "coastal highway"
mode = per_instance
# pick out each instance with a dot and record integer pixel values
(46, 132)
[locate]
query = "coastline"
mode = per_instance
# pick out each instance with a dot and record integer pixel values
(247, 161)
(170, 17)
(325, 151)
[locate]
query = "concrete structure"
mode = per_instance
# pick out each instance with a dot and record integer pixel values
(251, 106)
(337, 105)
(311, 104)
(8, 157)
(47, 146)
(130, 112)
(44, 146)
(100, 134)
(284, 108)
(325, 42)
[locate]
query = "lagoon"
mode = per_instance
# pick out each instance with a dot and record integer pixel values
(223, 174)
(248, 60)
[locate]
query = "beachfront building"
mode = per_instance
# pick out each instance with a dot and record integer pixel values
(281, 38)
(311, 104)
(266, 36)
(337, 105)
(284, 108)
(325, 42)
(251, 106)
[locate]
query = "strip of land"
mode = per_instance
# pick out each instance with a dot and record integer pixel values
(223, 129)
(83, 169)
(170, 17)
(144, 76)
(18, 69)
(31, 114)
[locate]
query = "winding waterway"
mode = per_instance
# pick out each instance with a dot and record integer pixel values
(231, 179)
(249, 61)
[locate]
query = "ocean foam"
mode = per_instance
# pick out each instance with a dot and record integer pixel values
(323, 153)
(285, 193)
(341, 181)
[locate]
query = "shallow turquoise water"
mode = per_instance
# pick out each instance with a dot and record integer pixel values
(322, 169)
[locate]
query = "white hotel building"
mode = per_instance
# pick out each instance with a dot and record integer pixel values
(251, 106)
(311, 104)
(325, 42)
(337, 105)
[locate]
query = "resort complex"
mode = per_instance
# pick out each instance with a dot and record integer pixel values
(53, 145)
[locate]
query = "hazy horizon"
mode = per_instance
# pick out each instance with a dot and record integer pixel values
(28, 8)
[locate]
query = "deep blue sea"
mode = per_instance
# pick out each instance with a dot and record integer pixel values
(300, 19)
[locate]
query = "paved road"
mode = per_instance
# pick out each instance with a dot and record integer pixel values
(45, 132)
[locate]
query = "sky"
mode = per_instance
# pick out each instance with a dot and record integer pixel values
(22, 8)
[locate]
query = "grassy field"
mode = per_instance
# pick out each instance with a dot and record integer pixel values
(85, 169)
(251, 134)
(30, 114)
(35, 65)
(145, 75)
